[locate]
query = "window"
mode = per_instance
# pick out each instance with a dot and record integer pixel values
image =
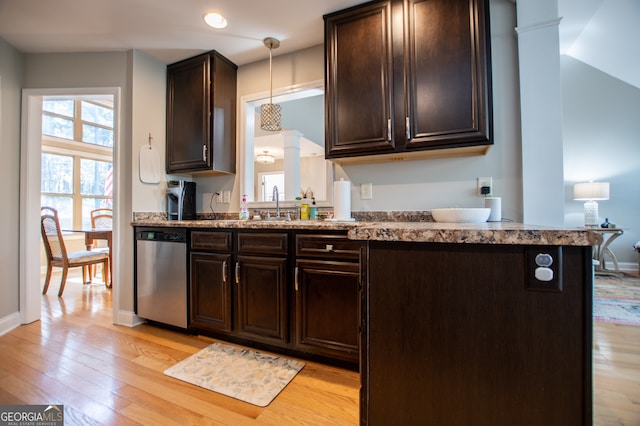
(77, 151)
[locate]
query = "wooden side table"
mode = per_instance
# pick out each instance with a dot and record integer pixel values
(601, 251)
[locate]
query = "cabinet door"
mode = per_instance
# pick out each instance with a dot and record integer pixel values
(188, 101)
(449, 92)
(262, 298)
(359, 72)
(210, 291)
(328, 308)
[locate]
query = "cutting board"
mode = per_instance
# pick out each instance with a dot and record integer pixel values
(150, 165)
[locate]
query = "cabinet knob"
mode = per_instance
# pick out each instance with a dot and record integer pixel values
(204, 153)
(329, 247)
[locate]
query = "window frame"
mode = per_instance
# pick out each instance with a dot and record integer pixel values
(78, 151)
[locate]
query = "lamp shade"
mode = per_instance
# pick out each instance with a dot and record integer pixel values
(591, 191)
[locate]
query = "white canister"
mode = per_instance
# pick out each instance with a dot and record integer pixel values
(495, 204)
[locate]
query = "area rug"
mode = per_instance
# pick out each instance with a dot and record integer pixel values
(247, 375)
(617, 300)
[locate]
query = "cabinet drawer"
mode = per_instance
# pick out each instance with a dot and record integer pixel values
(210, 241)
(327, 246)
(262, 243)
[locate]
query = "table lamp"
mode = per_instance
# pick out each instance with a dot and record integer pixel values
(591, 191)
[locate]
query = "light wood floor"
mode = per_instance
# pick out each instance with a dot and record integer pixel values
(107, 374)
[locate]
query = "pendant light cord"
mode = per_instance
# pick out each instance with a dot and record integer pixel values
(270, 75)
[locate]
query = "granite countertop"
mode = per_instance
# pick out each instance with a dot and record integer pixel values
(408, 231)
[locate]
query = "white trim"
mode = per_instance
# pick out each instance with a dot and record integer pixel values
(247, 106)
(31, 145)
(10, 322)
(128, 319)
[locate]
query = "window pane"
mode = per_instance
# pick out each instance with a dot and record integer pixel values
(89, 204)
(97, 114)
(64, 205)
(57, 174)
(95, 177)
(97, 135)
(61, 107)
(56, 126)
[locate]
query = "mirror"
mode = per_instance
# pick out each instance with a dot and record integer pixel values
(291, 159)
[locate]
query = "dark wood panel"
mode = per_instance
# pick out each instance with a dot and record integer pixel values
(262, 311)
(449, 93)
(358, 83)
(275, 243)
(201, 115)
(455, 337)
(223, 114)
(188, 100)
(327, 246)
(327, 308)
(211, 240)
(211, 291)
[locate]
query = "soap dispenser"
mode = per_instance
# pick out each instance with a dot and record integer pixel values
(313, 210)
(244, 210)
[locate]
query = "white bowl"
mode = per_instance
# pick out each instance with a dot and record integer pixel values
(461, 215)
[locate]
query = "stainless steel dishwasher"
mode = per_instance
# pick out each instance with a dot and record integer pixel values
(161, 275)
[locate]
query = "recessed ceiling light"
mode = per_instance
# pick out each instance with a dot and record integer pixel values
(215, 20)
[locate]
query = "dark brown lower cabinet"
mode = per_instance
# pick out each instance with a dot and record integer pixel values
(464, 334)
(255, 287)
(327, 308)
(211, 291)
(261, 292)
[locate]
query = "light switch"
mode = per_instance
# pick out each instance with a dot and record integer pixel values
(226, 197)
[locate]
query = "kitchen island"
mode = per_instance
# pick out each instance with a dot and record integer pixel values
(468, 323)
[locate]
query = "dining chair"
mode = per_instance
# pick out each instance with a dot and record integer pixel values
(57, 254)
(101, 218)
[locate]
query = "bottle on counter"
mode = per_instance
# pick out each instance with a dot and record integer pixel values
(313, 210)
(304, 210)
(244, 210)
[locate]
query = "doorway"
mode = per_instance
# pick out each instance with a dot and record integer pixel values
(30, 185)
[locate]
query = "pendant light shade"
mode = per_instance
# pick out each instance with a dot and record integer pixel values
(271, 114)
(265, 158)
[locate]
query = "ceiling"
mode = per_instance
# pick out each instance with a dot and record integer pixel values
(601, 33)
(169, 30)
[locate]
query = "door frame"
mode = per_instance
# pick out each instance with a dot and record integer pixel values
(30, 171)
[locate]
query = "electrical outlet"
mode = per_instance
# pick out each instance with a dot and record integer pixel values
(485, 182)
(366, 191)
(217, 197)
(226, 197)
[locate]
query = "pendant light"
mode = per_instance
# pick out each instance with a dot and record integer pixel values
(271, 114)
(265, 158)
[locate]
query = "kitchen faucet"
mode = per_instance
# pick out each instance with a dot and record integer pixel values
(276, 198)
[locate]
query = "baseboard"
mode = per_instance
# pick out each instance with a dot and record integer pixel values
(10, 322)
(627, 266)
(128, 319)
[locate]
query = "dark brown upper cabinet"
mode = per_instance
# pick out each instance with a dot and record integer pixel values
(201, 115)
(408, 78)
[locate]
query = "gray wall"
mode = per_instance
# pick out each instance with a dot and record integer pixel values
(602, 143)
(11, 71)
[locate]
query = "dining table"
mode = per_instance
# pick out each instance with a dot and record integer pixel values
(92, 234)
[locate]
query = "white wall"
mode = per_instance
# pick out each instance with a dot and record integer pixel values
(602, 143)
(11, 70)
